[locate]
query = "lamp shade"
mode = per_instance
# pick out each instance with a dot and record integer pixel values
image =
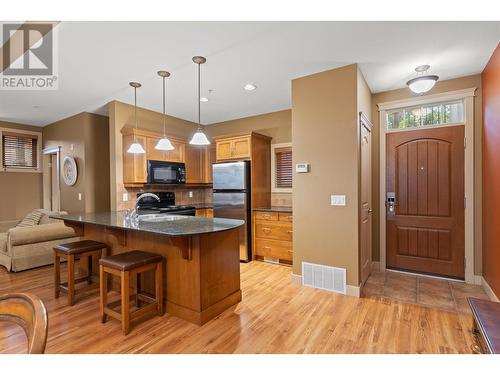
(164, 144)
(199, 139)
(136, 148)
(422, 84)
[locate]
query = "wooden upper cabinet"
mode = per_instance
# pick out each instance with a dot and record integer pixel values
(237, 148)
(208, 160)
(194, 164)
(176, 155)
(134, 165)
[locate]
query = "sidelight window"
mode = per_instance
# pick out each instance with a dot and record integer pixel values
(427, 115)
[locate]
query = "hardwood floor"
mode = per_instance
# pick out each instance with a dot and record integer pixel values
(275, 316)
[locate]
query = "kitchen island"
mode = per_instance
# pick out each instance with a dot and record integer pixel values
(201, 256)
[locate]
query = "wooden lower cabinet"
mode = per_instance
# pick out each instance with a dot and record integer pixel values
(205, 212)
(273, 236)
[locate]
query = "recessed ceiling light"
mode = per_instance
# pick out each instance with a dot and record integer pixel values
(203, 99)
(250, 87)
(35, 106)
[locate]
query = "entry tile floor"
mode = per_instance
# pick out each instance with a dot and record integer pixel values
(426, 291)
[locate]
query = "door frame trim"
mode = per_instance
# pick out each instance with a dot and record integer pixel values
(468, 96)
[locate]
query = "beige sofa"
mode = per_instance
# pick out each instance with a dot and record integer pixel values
(22, 248)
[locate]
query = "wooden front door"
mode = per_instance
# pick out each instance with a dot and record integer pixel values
(425, 177)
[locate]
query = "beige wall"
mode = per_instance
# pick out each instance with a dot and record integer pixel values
(121, 115)
(405, 93)
(277, 125)
(85, 137)
(20, 192)
(324, 131)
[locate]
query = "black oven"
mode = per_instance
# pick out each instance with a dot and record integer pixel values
(165, 172)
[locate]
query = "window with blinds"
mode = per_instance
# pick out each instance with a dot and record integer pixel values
(283, 175)
(19, 150)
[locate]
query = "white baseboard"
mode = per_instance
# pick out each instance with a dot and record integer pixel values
(488, 290)
(354, 291)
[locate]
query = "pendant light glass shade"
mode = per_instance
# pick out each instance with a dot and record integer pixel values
(164, 144)
(135, 147)
(199, 138)
(422, 83)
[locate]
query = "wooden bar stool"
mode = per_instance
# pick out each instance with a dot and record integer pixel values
(71, 250)
(125, 266)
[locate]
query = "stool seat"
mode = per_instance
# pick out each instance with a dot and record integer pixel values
(79, 247)
(130, 260)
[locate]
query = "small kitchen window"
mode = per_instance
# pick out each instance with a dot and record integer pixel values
(428, 115)
(20, 151)
(281, 170)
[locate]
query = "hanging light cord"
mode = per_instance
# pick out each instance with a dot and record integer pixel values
(135, 112)
(199, 96)
(164, 105)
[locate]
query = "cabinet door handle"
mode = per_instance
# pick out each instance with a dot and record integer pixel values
(290, 231)
(290, 251)
(266, 229)
(476, 349)
(266, 216)
(267, 247)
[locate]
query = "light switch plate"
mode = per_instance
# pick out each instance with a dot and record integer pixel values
(337, 200)
(125, 197)
(302, 168)
(79, 196)
(190, 194)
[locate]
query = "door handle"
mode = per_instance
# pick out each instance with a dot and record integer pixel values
(370, 210)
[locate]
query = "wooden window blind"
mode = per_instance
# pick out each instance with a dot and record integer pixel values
(283, 167)
(19, 150)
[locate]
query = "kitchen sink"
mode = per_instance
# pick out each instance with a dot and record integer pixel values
(157, 218)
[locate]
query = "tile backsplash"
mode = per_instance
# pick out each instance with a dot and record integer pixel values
(201, 195)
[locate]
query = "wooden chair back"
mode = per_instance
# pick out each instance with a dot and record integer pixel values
(28, 311)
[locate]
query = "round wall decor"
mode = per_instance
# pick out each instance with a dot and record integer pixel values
(69, 171)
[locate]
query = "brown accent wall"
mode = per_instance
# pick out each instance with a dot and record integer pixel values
(405, 93)
(121, 115)
(277, 125)
(491, 168)
(325, 134)
(85, 137)
(20, 192)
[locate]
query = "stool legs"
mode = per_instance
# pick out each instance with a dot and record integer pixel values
(159, 288)
(89, 269)
(71, 280)
(57, 275)
(125, 295)
(103, 277)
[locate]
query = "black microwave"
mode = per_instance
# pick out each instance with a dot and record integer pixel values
(165, 172)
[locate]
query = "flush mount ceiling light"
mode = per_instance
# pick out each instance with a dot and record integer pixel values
(164, 144)
(422, 83)
(199, 138)
(250, 87)
(135, 147)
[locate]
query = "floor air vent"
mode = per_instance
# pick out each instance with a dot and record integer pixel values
(324, 277)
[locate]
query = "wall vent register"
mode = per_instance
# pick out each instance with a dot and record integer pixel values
(328, 278)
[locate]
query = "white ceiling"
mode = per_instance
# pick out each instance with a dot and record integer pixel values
(98, 59)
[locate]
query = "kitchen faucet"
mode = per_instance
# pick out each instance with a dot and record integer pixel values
(133, 217)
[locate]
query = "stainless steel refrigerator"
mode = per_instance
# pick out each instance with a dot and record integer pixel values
(231, 184)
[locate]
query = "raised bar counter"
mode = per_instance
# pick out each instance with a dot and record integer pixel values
(201, 257)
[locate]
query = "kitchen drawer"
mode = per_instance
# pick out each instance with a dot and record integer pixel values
(285, 216)
(274, 249)
(210, 212)
(274, 230)
(264, 215)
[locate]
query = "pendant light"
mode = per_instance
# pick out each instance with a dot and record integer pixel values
(135, 147)
(199, 138)
(422, 83)
(164, 144)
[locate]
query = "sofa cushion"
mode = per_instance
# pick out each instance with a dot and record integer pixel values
(46, 216)
(39, 233)
(33, 218)
(3, 242)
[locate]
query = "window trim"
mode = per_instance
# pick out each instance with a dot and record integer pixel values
(38, 151)
(275, 189)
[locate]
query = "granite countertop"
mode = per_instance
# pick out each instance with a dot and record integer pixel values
(184, 226)
(274, 209)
